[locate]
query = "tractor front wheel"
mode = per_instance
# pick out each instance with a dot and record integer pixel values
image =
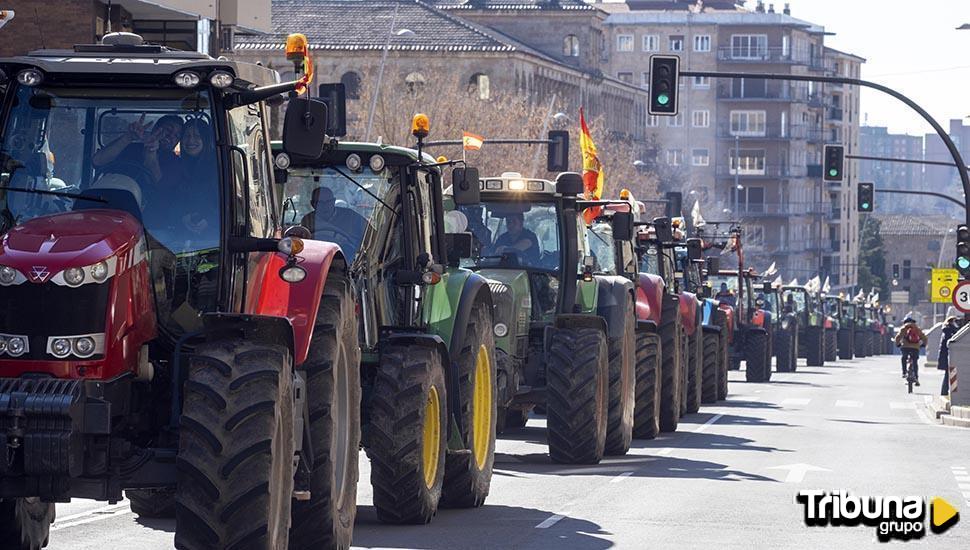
(622, 393)
(646, 417)
(25, 523)
(671, 365)
(815, 346)
(784, 351)
(709, 374)
(755, 355)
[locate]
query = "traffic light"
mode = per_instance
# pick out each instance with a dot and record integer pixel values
(866, 196)
(558, 157)
(834, 160)
(963, 251)
(664, 77)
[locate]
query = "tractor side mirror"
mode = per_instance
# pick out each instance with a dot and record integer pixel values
(694, 249)
(569, 184)
(465, 186)
(335, 96)
(460, 246)
(305, 127)
(713, 265)
(622, 225)
(663, 229)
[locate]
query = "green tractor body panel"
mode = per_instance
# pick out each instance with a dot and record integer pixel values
(516, 311)
(441, 302)
(586, 297)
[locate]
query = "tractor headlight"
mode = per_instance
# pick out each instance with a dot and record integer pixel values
(376, 163)
(99, 271)
(221, 79)
(30, 77)
(8, 275)
(84, 347)
(186, 79)
(60, 347)
(74, 276)
(501, 329)
(16, 346)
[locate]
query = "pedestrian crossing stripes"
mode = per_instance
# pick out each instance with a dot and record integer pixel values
(848, 403)
(795, 401)
(963, 481)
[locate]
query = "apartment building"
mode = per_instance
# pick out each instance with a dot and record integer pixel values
(763, 138)
(877, 141)
(944, 179)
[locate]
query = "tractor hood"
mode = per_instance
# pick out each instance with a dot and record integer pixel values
(41, 248)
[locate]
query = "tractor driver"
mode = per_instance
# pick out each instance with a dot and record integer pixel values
(328, 221)
(144, 148)
(518, 240)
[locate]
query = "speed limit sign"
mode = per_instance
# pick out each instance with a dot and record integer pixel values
(961, 297)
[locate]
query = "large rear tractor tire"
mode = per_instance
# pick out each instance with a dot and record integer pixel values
(577, 400)
(25, 523)
(831, 345)
(468, 475)
(622, 393)
(860, 343)
(784, 352)
(815, 346)
(755, 353)
(723, 357)
(712, 344)
(332, 370)
(695, 362)
(670, 364)
(235, 468)
(646, 416)
(408, 434)
(845, 344)
(516, 418)
(152, 503)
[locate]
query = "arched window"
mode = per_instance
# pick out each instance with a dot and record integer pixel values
(570, 46)
(351, 82)
(414, 81)
(479, 85)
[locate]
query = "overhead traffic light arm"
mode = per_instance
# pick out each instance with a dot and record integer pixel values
(929, 193)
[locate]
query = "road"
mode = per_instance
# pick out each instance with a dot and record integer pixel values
(726, 479)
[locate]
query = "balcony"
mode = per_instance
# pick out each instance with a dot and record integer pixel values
(767, 132)
(834, 114)
(816, 101)
(753, 55)
(813, 170)
(786, 209)
(783, 94)
(724, 170)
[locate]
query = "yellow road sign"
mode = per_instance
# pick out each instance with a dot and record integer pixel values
(944, 281)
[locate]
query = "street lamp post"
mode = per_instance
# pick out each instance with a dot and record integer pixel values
(380, 71)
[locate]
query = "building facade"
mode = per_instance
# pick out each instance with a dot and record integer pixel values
(944, 179)
(877, 141)
(753, 147)
(913, 245)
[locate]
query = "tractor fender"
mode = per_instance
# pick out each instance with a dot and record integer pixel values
(650, 291)
(688, 312)
(580, 320)
(473, 288)
(729, 315)
(266, 329)
(648, 327)
(296, 302)
(614, 293)
(709, 307)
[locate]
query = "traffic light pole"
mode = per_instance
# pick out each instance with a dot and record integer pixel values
(904, 161)
(928, 193)
(951, 147)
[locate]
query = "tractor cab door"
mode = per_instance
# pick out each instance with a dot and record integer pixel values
(422, 249)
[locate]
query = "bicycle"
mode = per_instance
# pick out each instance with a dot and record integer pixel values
(911, 374)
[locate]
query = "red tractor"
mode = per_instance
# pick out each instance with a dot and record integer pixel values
(159, 333)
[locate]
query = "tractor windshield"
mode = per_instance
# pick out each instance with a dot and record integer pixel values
(602, 247)
(514, 234)
(334, 208)
(148, 152)
(798, 299)
(725, 288)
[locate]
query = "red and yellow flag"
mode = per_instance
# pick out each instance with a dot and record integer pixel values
(472, 142)
(593, 174)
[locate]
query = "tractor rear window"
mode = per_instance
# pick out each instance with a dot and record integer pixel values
(515, 234)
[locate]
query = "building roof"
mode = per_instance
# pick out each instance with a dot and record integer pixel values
(727, 17)
(558, 5)
(364, 25)
(904, 224)
(847, 54)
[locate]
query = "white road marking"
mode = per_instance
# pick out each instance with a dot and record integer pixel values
(621, 477)
(758, 391)
(963, 478)
(903, 405)
(550, 521)
(705, 425)
(664, 452)
(848, 403)
(792, 401)
(796, 472)
(964, 486)
(967, 496)
(99, 514)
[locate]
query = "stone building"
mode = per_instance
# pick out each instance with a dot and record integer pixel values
(198, 25)
(876, 141)
(763, 139)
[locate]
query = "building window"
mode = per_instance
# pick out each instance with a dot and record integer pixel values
(570, 46)
(653, 121)
(480, 85)
(748, 123)
(675, 157)
(749, 46)
(702, 43)
(700, 119)
(624, 43)
(651, 43)
(645, 81)
(625, 77)
(754, 235)
(677, 43)
(676, 121)
(700, 157)
(351, 82)
(747, 161)
(702, 82)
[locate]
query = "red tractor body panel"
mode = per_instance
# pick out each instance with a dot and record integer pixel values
(688, 312)
(729, 314)
(43, 248)
(297, 302)
(650, 292)
(758, 318)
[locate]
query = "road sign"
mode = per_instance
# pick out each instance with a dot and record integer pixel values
(943, 282)
(961, 297)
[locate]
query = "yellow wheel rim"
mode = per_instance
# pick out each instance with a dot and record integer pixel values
(482, 407)
(432, 437)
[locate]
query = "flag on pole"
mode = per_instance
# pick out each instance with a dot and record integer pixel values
(772, 269)
(777, 282)
(794, 282)
(593, 175)
(695, 215)
(472, 142)
(826, 287)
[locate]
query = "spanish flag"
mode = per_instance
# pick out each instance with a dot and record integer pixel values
(471, 142)
(593, 175)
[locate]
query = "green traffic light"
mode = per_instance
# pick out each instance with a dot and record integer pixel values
(833, 172)
(663, 99)
(963, 262)
(865, 206)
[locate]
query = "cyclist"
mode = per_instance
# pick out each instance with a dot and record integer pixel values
(910, 339)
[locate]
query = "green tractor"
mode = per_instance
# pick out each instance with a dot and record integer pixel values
(785, 332)
(811, 323)
(847, 323)
(566, 326)
(834, 308)
(427, 374)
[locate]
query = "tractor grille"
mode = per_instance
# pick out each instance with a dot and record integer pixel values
(42, 310)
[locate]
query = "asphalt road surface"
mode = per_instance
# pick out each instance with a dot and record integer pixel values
(726, 479)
